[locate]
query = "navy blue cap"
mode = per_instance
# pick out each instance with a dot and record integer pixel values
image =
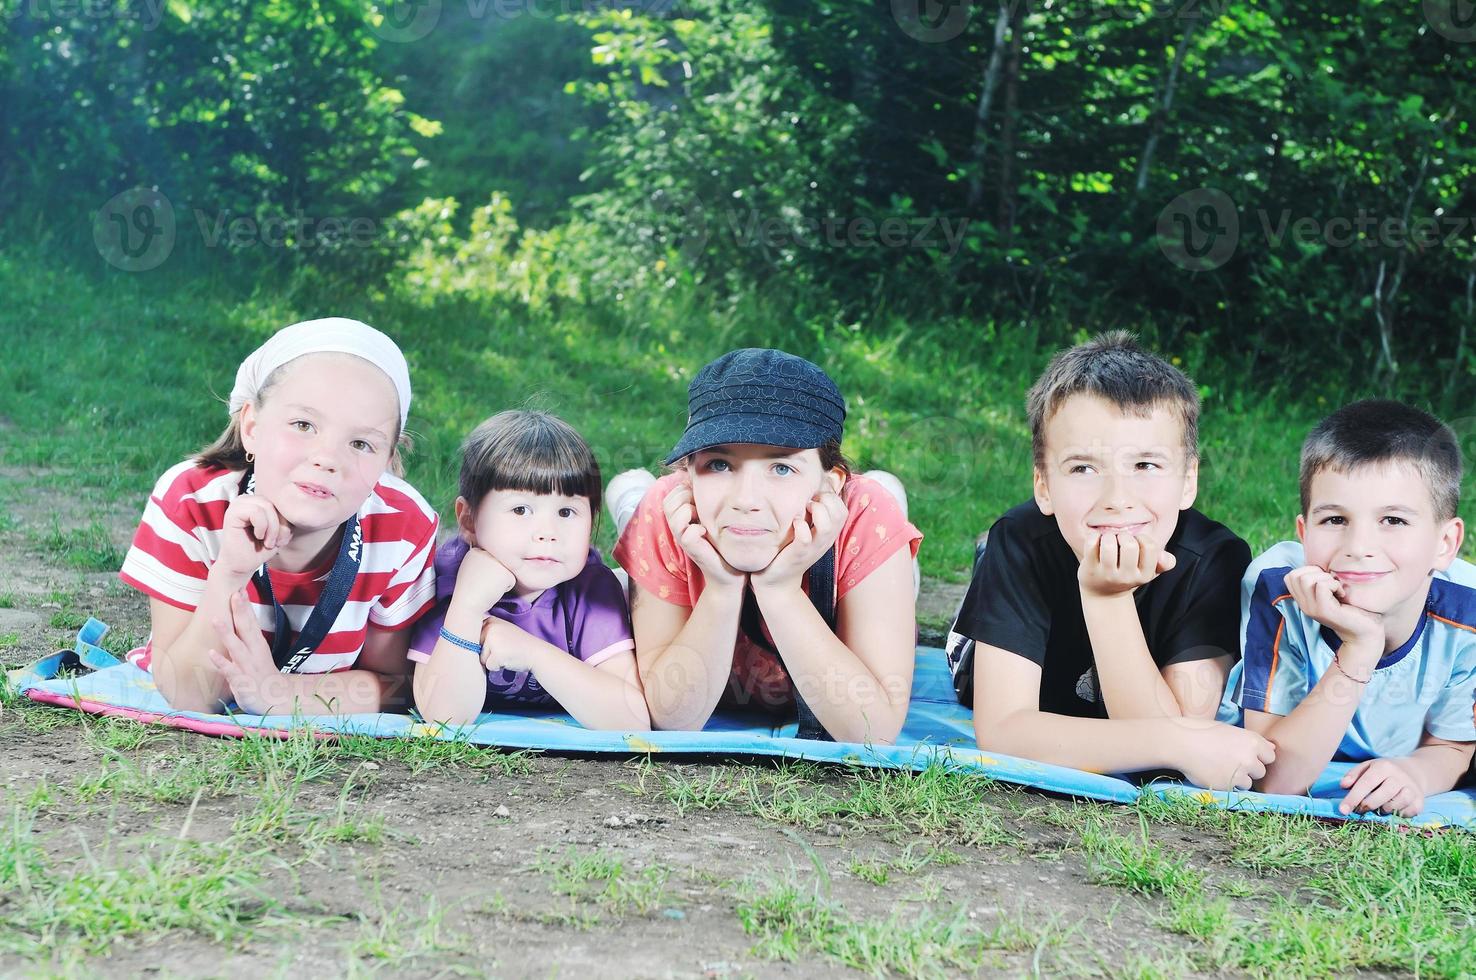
(761, 396)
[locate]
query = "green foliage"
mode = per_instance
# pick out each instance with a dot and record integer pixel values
(1051, 168)
(232, 109)
(497, 86)
(736, 130)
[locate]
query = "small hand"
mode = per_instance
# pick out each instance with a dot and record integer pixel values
(1321, 596)
(482, 580)
(245, 660)
(504, 646)
(1381, 785)
(251, 533)
(681, 517)
(1114, 564)
(1223, 757)
(815, 532)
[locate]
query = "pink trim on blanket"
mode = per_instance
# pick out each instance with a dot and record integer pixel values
(226, 729)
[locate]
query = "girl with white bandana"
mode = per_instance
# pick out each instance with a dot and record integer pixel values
(285, 561)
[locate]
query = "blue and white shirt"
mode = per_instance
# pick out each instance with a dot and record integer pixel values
(1427, 685)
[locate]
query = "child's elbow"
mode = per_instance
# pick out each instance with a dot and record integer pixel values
(891, 728)
(171, 683)
(987, 730)
(451, 716)
(871, 730)
(439, 711)
(1276, 784)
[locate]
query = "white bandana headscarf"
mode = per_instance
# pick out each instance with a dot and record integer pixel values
(336, 334)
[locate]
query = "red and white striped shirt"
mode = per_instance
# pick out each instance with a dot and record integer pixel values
(179, 539)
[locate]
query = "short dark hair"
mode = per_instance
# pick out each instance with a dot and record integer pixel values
(1114, 367)
(534, 452)
(1377, 431)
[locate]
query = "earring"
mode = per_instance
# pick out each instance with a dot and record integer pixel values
(250, 457)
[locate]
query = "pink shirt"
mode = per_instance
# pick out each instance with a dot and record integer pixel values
(874, 530)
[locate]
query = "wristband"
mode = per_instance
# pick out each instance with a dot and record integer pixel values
(1341, 670)
(460, 641)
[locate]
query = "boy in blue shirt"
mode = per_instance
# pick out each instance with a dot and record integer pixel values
(1360, 643)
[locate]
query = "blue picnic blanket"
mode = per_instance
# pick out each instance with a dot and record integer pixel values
(938, 730)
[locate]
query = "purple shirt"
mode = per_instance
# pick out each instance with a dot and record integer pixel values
(586, 616)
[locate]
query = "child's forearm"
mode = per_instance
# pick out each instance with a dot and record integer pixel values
(685, 681)
(596, 698)
(451, 686)
(1091, 744)
(1307, 738)
(343, 692)
(1132, 684)
(182, 671)
(1437, 767)
(849, 701)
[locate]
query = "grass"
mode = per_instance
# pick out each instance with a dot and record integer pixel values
(160, 780)
(214, 890)
(941, 408)
(935, 803)
(63, 619)
(791, 923)
(1260, 894)
(115, 735)
(1364, 897)
(85, 549)
(426, 754)
(603, 879)
(398, 939)
(1138, 864)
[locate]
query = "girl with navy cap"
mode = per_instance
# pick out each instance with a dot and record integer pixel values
(285, 562)
(763, 572)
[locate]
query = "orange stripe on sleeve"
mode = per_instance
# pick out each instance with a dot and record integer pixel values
(1275, 656)
(1451, 622)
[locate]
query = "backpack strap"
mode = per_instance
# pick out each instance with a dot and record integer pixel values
(290, 653)
(822, 597)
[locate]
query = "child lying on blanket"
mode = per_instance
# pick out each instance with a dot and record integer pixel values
(527, 613)
(284, 562)
(1101, 620)
(1354, 648)
(728, 554)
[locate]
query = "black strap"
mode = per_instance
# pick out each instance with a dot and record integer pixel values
(290, 654)
(822, 597)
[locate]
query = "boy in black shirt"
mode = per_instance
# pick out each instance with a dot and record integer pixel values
(1103, 616)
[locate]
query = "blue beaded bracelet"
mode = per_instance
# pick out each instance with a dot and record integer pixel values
(462, 642)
